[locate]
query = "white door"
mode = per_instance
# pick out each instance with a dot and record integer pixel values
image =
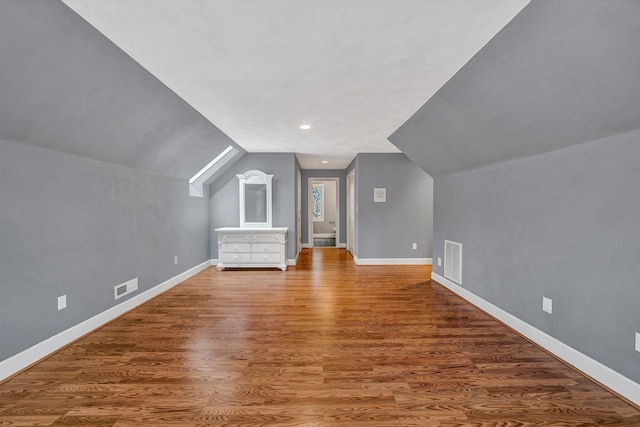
(351, 208)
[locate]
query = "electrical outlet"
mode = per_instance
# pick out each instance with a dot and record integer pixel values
(439, 262)
(414, 246)
(62, 302)
(175, 260)
(547, 305)
(637, 341)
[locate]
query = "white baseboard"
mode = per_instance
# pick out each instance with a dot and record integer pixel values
(392, 261)
(305, 246)
(324, 235)
(341, 245)
(18, 362)
(596, 370)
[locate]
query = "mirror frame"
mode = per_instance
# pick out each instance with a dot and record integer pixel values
(255, 177)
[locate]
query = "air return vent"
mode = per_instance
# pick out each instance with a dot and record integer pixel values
(453, 261)
(125, 288)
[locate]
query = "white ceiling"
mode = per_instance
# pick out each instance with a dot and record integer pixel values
(355, 70)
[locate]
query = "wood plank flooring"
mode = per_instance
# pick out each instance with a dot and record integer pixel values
(326, 343)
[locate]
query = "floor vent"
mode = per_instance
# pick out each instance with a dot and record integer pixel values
(125, 288)
(453, 261)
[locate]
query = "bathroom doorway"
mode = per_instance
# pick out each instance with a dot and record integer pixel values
(324, 209)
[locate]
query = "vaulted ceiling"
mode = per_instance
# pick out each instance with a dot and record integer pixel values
(65, 87)
(178, 81)
(354, 70)
(560, 73)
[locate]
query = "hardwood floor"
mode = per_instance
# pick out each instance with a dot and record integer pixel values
(326, 343)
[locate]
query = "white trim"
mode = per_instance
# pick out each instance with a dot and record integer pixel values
(393, 261)
(305, 245)
(255, 177)
(350, 198)
(196, 183)
(309, 196)
(202, 171)
(596, 370)
(26, 358)
(292, 261)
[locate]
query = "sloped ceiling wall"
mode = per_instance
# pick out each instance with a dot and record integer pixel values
(66, 87)
(560, 73)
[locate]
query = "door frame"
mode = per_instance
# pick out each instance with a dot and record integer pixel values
(299, 211)
(351, 207)
(310, 202)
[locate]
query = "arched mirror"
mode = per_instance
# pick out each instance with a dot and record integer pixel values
(255, 199)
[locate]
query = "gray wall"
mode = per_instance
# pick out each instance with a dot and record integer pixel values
(387, 230)
(562, 225)
(74, 226)
(562, 72)
(324, 173)
(66, 87)
(224, 200)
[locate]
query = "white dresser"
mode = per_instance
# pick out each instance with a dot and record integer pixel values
(252, 247)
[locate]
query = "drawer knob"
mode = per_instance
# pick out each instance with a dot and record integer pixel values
(246, 237)
(235, 248)
(236, 258)
(266, 248)
(266, 257)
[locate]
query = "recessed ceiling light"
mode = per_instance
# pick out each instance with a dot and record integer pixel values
(305, 127)
(325, 161)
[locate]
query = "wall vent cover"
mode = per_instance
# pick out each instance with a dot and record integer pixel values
(453, 261)
(125, 288)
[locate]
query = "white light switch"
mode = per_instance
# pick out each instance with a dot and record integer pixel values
(175, 260)
(547, 305)
(439, 262)
(637, 341)
(414, 246)
(62, 302)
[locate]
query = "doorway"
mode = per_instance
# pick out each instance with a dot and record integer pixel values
(351, 212)
(298, 211)
(323, 212)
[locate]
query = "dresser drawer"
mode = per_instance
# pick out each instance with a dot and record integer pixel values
(235, 258)
(252, 247)
(235, 237)
(268, 238)
(235, 247)
(258, 248)
(265, 258)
